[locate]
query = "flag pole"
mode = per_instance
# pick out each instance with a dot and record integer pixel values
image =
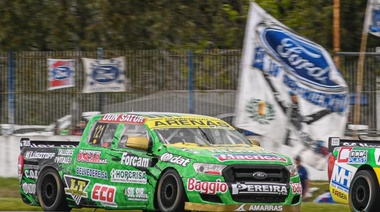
(359, 80)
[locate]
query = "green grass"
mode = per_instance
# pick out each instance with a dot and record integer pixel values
(10, 199)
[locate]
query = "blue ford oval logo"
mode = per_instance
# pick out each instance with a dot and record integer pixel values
(105, 73)
(304, 59)
(259, 175)
(61, 72)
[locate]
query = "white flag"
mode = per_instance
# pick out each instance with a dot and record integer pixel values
(290, 91)
(104, 75)
(372, 18)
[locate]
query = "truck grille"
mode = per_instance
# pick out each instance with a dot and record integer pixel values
(271, 186)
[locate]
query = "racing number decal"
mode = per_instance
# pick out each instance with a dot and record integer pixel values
(98, 133)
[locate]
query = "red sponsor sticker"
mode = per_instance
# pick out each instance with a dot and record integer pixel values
(296, 188)
(105, 194)
(206, 187)
(262, 157)
(344, 154)
(124, 118)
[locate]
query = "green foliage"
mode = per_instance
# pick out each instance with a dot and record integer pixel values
(162, 24)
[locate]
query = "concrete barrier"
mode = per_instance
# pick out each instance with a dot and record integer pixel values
(10, 149)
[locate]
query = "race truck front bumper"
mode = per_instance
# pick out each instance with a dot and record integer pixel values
(241, 207)
(250, 187)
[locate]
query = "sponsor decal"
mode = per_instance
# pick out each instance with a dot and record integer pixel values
(177, 160)
(65, 152)
(39, 155)
(341, 178)
(30, 166)
(258, 157)
(127, 118)
(377, 156)
(29, 188)
(105, 194)
(344, 154)
(76, 187)
(240, 151)
(246, 207)
(135, 194)
(51, 145)
(128, 176)
(296, 188)
(189, 122)
(133, 160)
(361, 143)
(339, 194)
(190, 151)
(65, 160)
(358, 156)
(96, 173)
(206, 187)
(90, 156)
(31, 174)
(348, 155)
(259, 188)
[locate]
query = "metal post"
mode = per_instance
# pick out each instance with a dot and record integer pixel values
(191, 82)
(100, 94)
(11, 98)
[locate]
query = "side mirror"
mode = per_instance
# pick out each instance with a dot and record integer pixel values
(254, 142)
(137, 142)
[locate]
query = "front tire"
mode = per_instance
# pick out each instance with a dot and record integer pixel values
(364, 192)
(170, 192)
(50, 191)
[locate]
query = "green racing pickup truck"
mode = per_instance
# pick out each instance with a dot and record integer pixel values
(155, 161)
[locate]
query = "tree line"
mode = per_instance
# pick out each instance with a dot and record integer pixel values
(51, 25)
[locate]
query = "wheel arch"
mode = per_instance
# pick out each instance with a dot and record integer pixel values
(47, 166)
(53, 166)
(371, 174)
(60, 198)
(369, 168)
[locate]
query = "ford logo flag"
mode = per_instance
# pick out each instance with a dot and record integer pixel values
(302, 58)
(105, 73)
(61, 73)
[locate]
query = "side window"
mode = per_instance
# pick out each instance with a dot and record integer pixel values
(102, 134)
(132, 130)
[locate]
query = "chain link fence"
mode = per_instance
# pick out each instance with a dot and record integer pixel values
(198, 81)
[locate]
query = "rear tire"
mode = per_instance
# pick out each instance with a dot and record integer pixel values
(50, 191)
(170, 192)
(364, 192)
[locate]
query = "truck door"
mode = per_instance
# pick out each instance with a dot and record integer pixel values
(128, 167)
(90, 179)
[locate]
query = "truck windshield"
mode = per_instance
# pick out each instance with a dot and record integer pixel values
(201, 136)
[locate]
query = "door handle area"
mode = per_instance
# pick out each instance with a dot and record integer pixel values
(116, 159)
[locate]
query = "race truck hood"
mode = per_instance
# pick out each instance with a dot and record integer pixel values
(228, 154)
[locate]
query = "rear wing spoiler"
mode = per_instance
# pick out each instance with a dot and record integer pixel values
(26, 142)
(338, 142)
